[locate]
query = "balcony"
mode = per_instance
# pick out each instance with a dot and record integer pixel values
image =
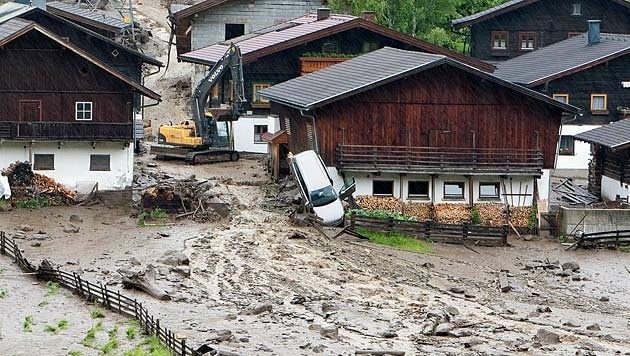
(70, 131)
(439, 160)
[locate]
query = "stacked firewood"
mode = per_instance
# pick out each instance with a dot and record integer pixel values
(519, 215)
(422, 211)
(27, 185)
(379, 203)
(492, 214)
(452, 213)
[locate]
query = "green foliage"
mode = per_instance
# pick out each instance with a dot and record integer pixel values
(532, 219)
(155, 214)
(42, 303)
(396, 239)
(475, 217)
(381, 214)
(62, 324)
(110, 346)
(3, 293)
(97, 313)
(131, 332)
(624, 248)
(136, 351)
(3, 203)
(33, 203)
(51, 288)
(28, 323)
(91, 334)
(50, 329)
(155, 347)
(75, 353)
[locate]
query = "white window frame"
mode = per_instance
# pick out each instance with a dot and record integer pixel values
(599, 95)
(496, 196)
(576, 9)
(83, 111)
(258, 136)
(558, 96)
(502, 37)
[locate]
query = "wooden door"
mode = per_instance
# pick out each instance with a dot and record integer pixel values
(30, 110)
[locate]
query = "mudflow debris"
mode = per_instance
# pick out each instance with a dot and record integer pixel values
(27, 185)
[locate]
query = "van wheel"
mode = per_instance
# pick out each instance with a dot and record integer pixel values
(234, 156)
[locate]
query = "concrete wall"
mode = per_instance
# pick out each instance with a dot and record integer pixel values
(612, 187)
(436, 187)
(244, 132)
(568, 165)
(72, 162)
(595, 220)
(208, 27)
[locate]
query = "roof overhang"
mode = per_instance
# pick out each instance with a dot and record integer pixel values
(615, 136)
(84, 20)
(197, 8)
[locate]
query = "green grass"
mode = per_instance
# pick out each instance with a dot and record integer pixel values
(42, 303)
(62, 324)
(50, 329)
(51, 288)
(624, 248)
(33, 203)
(398, 240)
(3, 293)
(381, 214)
(3, 203)
(155, 347)
(28, 323)
(97, 313)
(131, 332)
(155, 214)
(110, 346)
(91, 334)
(475, 217)
(75, 353)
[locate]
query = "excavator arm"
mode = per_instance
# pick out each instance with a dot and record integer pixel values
(206, 129)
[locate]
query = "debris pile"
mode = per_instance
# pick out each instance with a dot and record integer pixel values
(27, 185)
(190, 197)
(573, 193)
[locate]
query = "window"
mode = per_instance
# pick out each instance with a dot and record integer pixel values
(83, 110)
(527, 40)
(418, 189)
(573, 34)
(599, 103)
(234, 30)
(567, 146)
(330, 47)
(43, 162)
(563, 98)
(576, 9)
(383, 187)
(489, 190)
(453, 190)
(369, 47)
(499, 40)
(259, 99)
(259, 130)
(99, 163)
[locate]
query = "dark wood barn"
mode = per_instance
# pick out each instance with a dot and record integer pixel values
(521, 26)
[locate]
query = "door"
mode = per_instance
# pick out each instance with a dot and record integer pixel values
(30, 110)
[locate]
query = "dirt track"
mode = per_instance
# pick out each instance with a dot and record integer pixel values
(319, 295)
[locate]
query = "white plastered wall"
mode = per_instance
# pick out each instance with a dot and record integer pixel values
(582, 150)
(72, 162)
(612, 187)
(244, 132)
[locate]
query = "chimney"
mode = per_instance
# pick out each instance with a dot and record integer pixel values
(593, 32)
(369, 16)
(323, 13)
(39, 3)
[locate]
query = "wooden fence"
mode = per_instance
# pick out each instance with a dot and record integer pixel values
(604, 238)
(456, 234)
(112, 299)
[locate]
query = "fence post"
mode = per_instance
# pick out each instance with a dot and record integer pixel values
(2, 242)
(183, 343)
(119, 306)
(465, 231)
(157, 328)
(390, 224)
(352, 221)
(427, 229)
(505, 233)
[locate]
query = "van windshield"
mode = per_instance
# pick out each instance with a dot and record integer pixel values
(323, 196)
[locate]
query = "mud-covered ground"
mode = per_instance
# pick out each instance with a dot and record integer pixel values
(253, 289)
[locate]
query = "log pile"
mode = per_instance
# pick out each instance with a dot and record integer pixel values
(422, 211)
(28, 185)
(390, 204)
(189, 197)
(492, 214)
(519, 215)
(452, 213)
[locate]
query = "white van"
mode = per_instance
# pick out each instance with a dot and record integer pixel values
(316, 187)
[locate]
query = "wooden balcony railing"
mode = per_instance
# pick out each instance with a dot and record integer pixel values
(66, 131)
(439, 160)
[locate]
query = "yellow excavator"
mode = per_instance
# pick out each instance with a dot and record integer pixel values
(207, 136)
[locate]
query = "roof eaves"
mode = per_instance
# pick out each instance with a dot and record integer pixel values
(18, 33)
(197, 8)
(85, 20)
(488, 13)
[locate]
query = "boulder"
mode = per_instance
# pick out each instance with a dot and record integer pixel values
(174, 258)
(546, 336)
(570, 266)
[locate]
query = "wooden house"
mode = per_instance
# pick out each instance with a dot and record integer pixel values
(590, 71)
(64, 110)
(609, 172)
(423, 127)
(517, 27)
(289, 49)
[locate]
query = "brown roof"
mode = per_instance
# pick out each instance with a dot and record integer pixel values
(196, 8)
(278, 137)
(306, 29)
(15, 28)
(87, 16)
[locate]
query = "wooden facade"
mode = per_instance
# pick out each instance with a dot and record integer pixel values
(40, 83)
(546, 22)
(440, 109)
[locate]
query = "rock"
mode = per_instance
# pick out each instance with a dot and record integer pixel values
(474, 342)
(296, 235)
(330, 332)
(243, 339)
(71, 229)
(452, 311)
(460, 333)
(443, 328)
(546, 336)
(183, 270)
(571, 324)
(543, 309)
(388, 334)
(24, 228)
(427, 265)
(318, 349)
(565, 274)
(36, 244)
(134, 261)
(298, 299)
(570, 266)
(457, 289)
(75, 219)
(576, 278)
(174, 258)
(594, 327)
(259, 309)
(604, 299)
(328, 307)
(469, 295)
(163, 234)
